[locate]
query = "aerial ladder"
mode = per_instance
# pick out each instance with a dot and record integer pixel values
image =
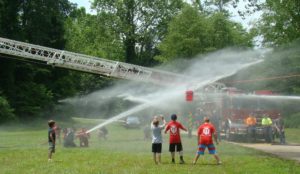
(80, 62)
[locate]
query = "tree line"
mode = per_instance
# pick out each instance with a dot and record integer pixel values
(142, 32)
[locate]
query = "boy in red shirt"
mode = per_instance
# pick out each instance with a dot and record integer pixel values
(205, 133)
(175, 141)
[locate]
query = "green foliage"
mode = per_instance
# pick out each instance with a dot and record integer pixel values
(293, 121)
(31, 88)
(280, 22)
(141, 24)
(39, 100)
(6, 112)
(42, 22)
(92, 35)
(284, 61)
(188, 35)
(9, 18)
(191, 33)
(292, 135)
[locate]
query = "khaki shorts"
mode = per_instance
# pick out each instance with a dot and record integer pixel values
(51, 147)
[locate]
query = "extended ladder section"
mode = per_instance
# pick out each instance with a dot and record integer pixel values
(81, 62)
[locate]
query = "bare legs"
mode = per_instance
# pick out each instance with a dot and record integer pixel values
(157, 158)
(215, 156)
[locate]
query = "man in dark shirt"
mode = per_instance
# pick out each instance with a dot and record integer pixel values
(51, 139)
(279, 125)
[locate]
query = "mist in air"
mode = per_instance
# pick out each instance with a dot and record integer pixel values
(200, 71)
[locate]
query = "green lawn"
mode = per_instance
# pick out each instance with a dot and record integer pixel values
(22, 150)
(292, 135)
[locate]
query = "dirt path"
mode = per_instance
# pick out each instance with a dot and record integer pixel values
(290, 151)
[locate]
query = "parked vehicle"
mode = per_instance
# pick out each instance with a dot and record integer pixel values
(132, 122)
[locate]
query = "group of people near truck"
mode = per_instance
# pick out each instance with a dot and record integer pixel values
(269, 127)
(206, 132)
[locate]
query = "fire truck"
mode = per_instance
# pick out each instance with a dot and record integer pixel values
(229, 107)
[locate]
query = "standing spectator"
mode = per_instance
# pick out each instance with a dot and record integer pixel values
(51, 139)
(175, 140)
(266, 122)
(205, 133)
(279, 125)
(157, 138)
(251, 127)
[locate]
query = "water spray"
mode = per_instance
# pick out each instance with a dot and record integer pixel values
(170, 95)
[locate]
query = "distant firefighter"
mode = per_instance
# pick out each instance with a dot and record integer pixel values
(251, 127)
(266, 122)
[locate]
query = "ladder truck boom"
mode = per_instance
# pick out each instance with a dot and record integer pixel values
(85, 63)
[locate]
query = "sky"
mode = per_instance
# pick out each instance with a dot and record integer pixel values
(84, 3)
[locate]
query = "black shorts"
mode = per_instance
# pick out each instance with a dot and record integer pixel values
(156, 147)
(175, 146)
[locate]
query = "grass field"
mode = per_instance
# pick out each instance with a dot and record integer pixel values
(23, 150)
(292, 135)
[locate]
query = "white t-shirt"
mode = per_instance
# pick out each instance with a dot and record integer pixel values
(156, 133)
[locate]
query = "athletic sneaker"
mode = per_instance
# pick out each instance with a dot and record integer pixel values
(173, 161)
(219, 163)
(181, 162)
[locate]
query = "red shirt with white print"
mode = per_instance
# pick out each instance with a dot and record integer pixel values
(206, 132)
(174, 128)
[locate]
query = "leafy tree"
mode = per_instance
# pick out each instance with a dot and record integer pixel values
(6, 112)
(91, 35)
(9, 18)
(226, 33)
(9, 27)
(188, 36)
(280, 22)
(42, 21)
(141, 24)
(31, 88)
(192, 33)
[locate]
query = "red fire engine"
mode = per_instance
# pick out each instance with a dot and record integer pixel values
(232, 106)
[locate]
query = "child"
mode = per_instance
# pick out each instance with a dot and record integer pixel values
(206, 132)
(51, 139)
(175, 141)
(157, 138)
(83, 138)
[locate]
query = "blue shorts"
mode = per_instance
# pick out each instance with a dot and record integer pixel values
(202, 147)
